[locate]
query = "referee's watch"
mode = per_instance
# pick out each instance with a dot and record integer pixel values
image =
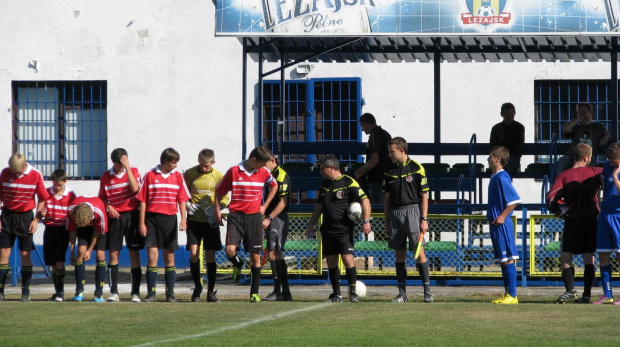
(366, 221)
(424, 219)
(270, 217)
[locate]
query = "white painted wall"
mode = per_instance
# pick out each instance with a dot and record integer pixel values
(171, 82)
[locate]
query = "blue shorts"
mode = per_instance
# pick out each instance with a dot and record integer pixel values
(608, 233)
(503, 238)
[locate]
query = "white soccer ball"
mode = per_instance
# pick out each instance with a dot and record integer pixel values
(486, 11)
(360, 289)
(354, 211)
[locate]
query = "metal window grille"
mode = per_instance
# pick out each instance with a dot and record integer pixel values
(555, 104)
(317, 110)
(62, 124)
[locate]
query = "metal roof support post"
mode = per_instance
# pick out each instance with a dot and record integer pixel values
(244, 96)
(259, 131)
(437, 97)
(280, 124)
(614, 89)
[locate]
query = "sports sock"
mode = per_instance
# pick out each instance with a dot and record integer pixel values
(606, 279)
(401, 278)
(100, 277)
(425, 276)
(334, 277)
(236, 260)
(568, 278)
(505, 278)
(4, 272)
(511, 275)
(55, 280)
(80, 277)
(352, 278)
(171, 277)
(588, 278)
(255, 280)
(282, 267)
(276, 276)
(136, 279)
(211, 275)
(26, 279)
(194, 269)
(151, 280)
(60, 281)
(113, 278)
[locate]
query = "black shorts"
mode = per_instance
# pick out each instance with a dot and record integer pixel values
(579, 235)
(85, 236)
(15, 226)
(339, 243)
(246, 227)
(197, 232)
(127, 226)
(277, 232)
(162, 231)
(55, 243)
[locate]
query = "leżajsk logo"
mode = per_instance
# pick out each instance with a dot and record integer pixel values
(485, 13)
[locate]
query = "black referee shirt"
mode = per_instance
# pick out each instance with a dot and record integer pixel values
(336, 196)
(405, 182)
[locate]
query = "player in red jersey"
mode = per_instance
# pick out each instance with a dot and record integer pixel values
(579, 188)
(87, 222)
(118, 189)
(246, 182)
(20, 183)
(163, 188)
(56, 236)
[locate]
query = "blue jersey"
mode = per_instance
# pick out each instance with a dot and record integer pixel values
(501, 194)
(611, 199)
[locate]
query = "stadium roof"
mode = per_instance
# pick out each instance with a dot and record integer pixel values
(466, 48)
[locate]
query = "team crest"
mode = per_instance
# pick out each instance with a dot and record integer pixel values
(340, 194)
(409, 178)
(485, 13)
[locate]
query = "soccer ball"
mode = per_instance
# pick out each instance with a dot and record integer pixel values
(485, 11)
(354, 211)
(360, 289)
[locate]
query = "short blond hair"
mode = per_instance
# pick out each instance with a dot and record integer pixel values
(17, 162)
(582, 150)
(82, 215)
(206, 155)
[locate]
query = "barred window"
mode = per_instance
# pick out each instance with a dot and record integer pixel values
(62, 124)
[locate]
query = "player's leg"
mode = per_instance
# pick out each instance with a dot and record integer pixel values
(505, 252)
(401, 275)
(424, 271)
(334, 274)
(60, 244)
(588, 278)
(279, 254)
(255, 276)
(151, 273)
(351, 272)
(211, 243)
(114, 243)
(234, 235)
(49, 259)
(568, 276)
(100, 269)
(605, 244)
(5, 253)
(170, 244)
(397, 240)
(170, 274)
(135, 243)
(194, 238)
(80, 266)
(272, 238)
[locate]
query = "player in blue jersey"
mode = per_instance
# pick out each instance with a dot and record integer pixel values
(608, 231)
(503, 199)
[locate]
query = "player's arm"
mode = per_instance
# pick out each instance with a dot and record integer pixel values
(276, 211)
(133, 182)
(567, 128)
(371, 163)
(183, 209)
(366, 228)
(316, 213)
(502, 216)
(93, 242)
(37, 217)
(216, 206)
(616, 179)
(424, 212)
(142, 223)
(272, 193)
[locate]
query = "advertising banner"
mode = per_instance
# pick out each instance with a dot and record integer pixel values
(415, 17)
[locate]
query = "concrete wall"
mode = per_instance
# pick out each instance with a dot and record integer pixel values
(171, 82)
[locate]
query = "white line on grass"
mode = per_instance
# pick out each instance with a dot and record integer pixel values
(238, 326)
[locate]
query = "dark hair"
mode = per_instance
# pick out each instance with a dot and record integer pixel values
(507, 106)
(58, 175)
(169, 155)
(502, 153)
(117, 154)
(399, 142)
(613, 151)
(368, 118)
(261, 154)
(330, 160)
(586, 105)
